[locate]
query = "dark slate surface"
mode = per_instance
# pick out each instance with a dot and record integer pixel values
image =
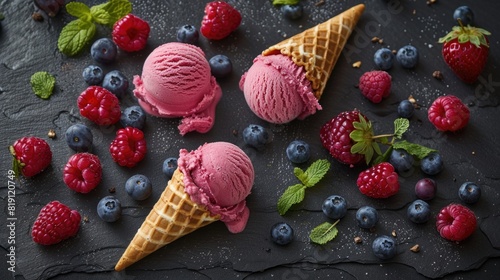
(27, 46)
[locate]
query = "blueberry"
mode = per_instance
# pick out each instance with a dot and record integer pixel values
(281, 233)
(384, 247)
(79, 138)
(133, 116)
(469, 192)
(169, 166)
(401, 160)
(298, 151)
(367, 217)
(188, 34)
(103, 50)
(419, 211)
(256, 136)
(220, 66)
(407, 56)
(109, 209)
(335, 207)
(384, 58)
(93, 75)
(425, 189)
(292, 11)
(139, 187)
(116, 82)
(465, 15)
(406, 109)
(432, 164)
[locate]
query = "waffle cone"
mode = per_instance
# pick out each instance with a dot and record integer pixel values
(318, 48)
(174, 215)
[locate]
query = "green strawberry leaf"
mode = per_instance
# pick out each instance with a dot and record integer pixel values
(75, 36)
(383, 157)
(416, 150)
(324, 233)
(292, 195)
(79, 10)
(43, 84)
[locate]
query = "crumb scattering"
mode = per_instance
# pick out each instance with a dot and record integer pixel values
(415, 248)
(438, 75)
(356, 64)
(51, 134)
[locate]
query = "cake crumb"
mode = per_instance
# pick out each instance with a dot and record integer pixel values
(393, 233)
(235, 132)
(415, 248)
(356, 64)
(112, 190)
(438, 75)
(319, 3)
(358, 240)
(430, 2)
(86, 219)
(51, 134)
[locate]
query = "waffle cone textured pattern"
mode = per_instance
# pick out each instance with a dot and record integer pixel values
(174, 215)
(318, 48)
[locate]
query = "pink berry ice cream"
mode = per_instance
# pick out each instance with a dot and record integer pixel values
(176, 82)
(219, 175)
(277, 90)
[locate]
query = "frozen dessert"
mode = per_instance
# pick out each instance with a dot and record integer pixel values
(211, 183)
(176, 82)
(287, 79)
(277, 90)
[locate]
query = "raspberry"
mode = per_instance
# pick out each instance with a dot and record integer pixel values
(31, 156)
(83, 172)
(335, 137)
(220, 20)
(375, 85)
(99, 105)
(448, 113)
(456, 222)
(129, 146)
(379, 181)
(55, 223)
(131, 33)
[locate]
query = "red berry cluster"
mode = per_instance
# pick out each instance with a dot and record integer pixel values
(220, 20)
(54, 223)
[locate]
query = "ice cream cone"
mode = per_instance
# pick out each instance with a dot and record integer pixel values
(318, 48)
(174, 215)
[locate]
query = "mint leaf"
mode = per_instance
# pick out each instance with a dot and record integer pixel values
(74, 36)
(116, 9)
(300, 174)
(324, 233)
(292, 195)
(316, 172)
(100, 16)
(416, 150)
(401, 125)
(285, 2)
(79, 10)
(42, 84)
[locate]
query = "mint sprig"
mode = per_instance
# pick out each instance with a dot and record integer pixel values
(285, 2)
(368, 144)
(42, 84)
(295, 194)
(324, 233)
(79, 32)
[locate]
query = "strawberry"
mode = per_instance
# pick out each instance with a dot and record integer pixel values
(54, 223)
(465, 50)
(220, 20)
(335, 137)
(379, 181)
(456, 222)
(31, 156)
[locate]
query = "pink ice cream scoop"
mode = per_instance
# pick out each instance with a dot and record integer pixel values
(277, 90)
(219, 175)
(176, 82)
